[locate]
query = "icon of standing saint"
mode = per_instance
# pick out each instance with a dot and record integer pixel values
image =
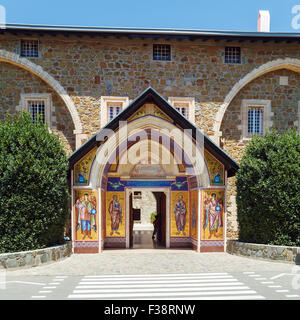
(115, 211)
(213, 215)
(180, 212)
(86, 215)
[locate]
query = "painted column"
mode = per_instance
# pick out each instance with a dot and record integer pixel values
(72, 211)
(99, 205)
(199, 219)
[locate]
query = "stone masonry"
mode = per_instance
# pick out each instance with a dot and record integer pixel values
(261, 251)
(35, 257)
(88, 67)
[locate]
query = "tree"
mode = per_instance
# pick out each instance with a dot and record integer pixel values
(33, 186)
(268, 190)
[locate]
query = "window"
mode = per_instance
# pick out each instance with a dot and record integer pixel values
(186, 106)
(29, 48)
(38, 105)
(256, 117)
(232, 55)
(114, 109)
(162, 52)
(137, 195)
(183, 108)
(255, 121)
(37, 109)
(111, 107)
(283, 81)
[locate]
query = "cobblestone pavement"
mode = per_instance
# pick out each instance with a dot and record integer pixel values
(152, 261)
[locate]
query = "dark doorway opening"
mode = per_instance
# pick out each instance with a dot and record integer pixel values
(143, 239)
(161, 211)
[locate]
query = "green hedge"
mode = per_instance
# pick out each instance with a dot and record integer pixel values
(33, 186)
(268, 190)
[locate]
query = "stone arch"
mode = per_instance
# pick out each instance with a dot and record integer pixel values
(287, 63)
(135, 126)
(28, 65)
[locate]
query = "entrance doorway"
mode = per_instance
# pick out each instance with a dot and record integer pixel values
(161, 216)
(145, 207)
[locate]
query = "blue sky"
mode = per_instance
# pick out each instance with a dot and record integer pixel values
(239, 15)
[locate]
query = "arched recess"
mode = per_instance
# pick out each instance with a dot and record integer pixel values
(28, 65)
(287, 63)
(126, 151)
(134, 127)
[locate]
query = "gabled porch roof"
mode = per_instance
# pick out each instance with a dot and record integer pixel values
(152, 96)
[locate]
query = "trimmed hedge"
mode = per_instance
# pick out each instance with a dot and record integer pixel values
(268, 190)
(33, 186)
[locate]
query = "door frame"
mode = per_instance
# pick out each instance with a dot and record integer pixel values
(166, 191)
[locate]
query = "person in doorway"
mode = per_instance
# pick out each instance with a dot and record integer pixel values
(156, 226)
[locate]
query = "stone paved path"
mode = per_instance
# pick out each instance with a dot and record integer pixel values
(152, 262)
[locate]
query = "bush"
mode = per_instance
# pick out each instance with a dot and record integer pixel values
(153, 215)
(268, 190)
(33, 186)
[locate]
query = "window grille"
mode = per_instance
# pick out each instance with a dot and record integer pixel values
(232, 55)
(37, 109)
(29, 48)
(113, 110)
(182, 108)
(255, 121)
(162, 52)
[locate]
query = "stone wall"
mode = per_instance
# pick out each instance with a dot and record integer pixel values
(261, 251)
(36, 257)
(91, 67)
(16, 81)
(284, 105)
